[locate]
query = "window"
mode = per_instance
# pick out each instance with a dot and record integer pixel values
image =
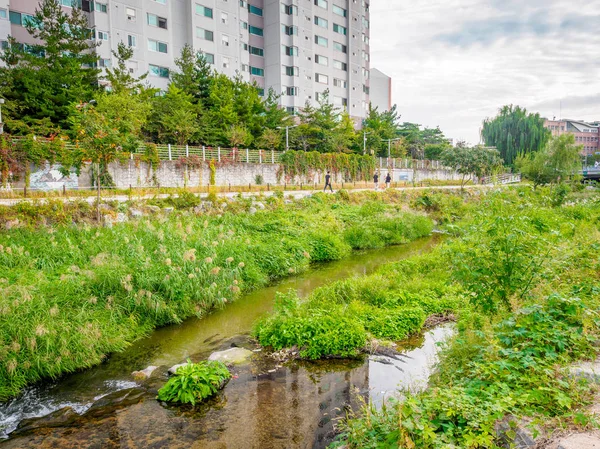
(131, 40)
(365, 22)
(321, 60)
(339, 11)
(157, 21)
(104, 63)
(321, 22)
(366, 89)
(365, 55)
(224, 18)
(292, 91)
(291, 71)
(321, 3)
(255, 10)
(365, 39)
(243, 4)
(16, 18)
(320, 78)
(4, 45)
(255, 30)
(257, 72)
(320, 40)
(68, 3)
(289, 30)
(225, 40)
(261, 92)
(245, 68)
(257, 51)
(244, 25)
(162, 2)
(340, 83)
(339, 29)
(204, 11)
(340, 47)
(156, 70)
(130, 12)
(209, 57)
(102, 36)
(365, 73)
(290, 51)
(289, 9)
(225, 62)
(101, 7)
(340, 65)
(205, 34)
(159, 47)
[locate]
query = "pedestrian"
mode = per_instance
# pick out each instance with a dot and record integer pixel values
(388, 180)
(328, 181)
(376, 180)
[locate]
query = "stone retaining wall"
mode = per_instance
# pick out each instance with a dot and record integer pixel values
(171, 174)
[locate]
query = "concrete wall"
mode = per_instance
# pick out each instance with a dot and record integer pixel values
(171, 174)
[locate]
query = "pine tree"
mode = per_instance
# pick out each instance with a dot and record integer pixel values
(41, 81)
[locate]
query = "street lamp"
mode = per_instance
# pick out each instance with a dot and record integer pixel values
(1, 123)
(365, 134)
(287, 135)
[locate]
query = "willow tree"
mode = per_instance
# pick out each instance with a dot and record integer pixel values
(514, 131)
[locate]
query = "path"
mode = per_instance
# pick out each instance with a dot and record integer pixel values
(295, 193)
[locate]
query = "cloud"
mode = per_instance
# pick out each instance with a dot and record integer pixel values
(455, 62)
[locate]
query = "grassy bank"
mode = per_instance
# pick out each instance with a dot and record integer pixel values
(522, 274)
(70, 294)
(526, 265)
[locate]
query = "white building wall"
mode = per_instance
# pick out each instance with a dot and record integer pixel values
(381, 90)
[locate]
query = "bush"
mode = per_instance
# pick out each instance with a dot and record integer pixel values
(195, 382)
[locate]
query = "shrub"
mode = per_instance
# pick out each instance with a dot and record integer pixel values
(195, 382)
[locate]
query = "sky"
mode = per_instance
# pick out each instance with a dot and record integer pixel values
(455, 62)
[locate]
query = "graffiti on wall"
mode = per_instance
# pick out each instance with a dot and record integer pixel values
(51, 178)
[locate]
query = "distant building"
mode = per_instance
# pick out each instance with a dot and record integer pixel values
(301, 49)
(380, 90)
(586, 133)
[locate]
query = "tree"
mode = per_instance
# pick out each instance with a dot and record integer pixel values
(557, 161)
(239, 135)
(271, 140)
(101, 141)
(40, 81)
(174, 117)
(514, 131)
(477, 161)
(120, 78)
(194, 76)
(380, 126)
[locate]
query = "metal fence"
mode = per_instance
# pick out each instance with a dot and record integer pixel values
(171, 152)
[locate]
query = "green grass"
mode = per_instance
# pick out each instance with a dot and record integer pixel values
(70, 295)
(524, 276)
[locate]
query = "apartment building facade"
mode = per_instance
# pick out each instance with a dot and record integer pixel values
(300, 48)
(586, 133)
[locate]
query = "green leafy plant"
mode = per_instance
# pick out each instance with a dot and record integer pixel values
(195, 382)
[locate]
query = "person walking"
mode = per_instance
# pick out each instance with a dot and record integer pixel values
(388, 180)
(376, 180)
(328, 181)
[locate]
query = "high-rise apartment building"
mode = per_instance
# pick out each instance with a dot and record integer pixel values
(381, 90)
(300, 48)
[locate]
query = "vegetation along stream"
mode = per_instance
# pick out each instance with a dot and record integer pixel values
(265, 405)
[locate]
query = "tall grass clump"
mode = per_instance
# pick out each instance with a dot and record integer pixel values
(69, 294)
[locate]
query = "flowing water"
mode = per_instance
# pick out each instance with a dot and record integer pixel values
(264, 406)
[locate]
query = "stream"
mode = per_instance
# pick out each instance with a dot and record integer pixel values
(264, 406)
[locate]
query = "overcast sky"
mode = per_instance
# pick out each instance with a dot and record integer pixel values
(455, 62)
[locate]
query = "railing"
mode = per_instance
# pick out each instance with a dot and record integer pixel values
(174, 152)
(507, 178)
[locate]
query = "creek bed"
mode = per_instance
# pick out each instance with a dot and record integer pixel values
(264, 406)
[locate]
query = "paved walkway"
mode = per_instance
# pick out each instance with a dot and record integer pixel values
(295, 193)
